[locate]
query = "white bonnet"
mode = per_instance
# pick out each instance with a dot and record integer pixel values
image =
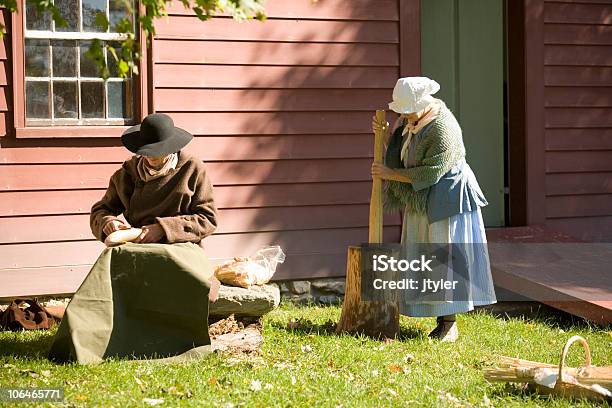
(412, 94)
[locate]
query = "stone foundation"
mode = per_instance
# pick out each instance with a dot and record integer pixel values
(324, 291)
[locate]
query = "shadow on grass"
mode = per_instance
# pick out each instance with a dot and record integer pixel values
(306, 327)
(517, 390)
(539, 313)
(529, 394)
(28, 345)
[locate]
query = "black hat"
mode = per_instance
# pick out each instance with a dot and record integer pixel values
(156, 136)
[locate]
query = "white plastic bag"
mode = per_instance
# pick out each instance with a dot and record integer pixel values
(257, 269)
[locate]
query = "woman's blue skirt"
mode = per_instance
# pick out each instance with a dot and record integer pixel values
(467, 227)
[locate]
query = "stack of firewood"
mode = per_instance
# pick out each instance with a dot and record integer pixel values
(585, 382)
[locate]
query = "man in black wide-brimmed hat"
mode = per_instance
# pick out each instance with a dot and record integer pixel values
(163, 190)
(146, 299)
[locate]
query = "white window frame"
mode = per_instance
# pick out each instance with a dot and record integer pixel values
(77, 36)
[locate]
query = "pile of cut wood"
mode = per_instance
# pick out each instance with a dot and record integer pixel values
(589, 382)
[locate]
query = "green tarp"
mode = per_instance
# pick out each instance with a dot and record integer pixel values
(139, 301)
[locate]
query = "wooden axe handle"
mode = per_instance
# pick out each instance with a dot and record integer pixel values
(376, 205)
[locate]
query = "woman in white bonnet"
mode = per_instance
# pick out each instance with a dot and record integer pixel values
(426, 177)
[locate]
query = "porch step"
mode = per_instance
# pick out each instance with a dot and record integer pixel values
(555, 269)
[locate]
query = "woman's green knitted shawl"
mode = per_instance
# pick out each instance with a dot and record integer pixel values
(438, 150)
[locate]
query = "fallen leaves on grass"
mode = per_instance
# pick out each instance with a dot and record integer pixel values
(219, 382)
(153, 401)
(140, 383)
(34, 374)
(178, 392)
(282, 365)
(451, 399)
(396, 368)
(391, 392)
(306, 348)
(255, 385)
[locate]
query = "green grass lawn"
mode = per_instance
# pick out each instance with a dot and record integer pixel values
(310, 366)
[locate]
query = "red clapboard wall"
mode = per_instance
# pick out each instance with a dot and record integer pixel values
(578, 117)
(281, 112)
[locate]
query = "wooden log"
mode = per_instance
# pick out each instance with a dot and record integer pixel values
(373, 318)
(247, 340)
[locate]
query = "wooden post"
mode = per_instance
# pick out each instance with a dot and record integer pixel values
(376, 319)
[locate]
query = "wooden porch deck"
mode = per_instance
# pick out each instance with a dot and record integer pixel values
(570, 275)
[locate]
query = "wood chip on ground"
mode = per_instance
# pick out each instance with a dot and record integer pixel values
(230, 335)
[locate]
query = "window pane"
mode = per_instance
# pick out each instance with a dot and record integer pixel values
(88, 66)
(69, 9)
(64, 58)
(111, 62)
(92, 99)
(37, 99)
(37, 58)
(65, 99)
(119, 99)
(90, 9)
(36, 20)
(117, 11)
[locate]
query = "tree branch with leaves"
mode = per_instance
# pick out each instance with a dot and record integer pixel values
(126, 52)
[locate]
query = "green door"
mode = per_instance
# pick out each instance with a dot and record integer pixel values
(462, 47)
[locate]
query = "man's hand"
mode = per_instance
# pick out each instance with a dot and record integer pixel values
(151, 233)
(114, 225)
